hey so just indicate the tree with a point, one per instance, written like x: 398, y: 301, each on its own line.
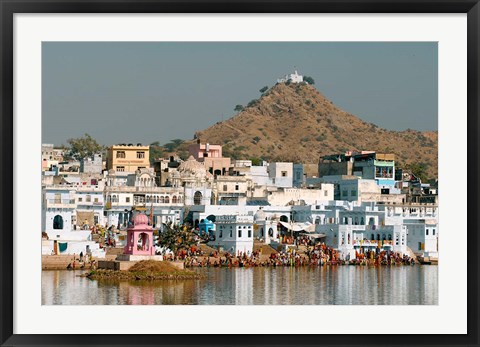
x: 83, y: 147
x: 256, y: 161
x: 238, y: 108
x: 252, y: 103
x: 176, y: 237
x: 173, y: 145
x: 156, y: 151
x: 419, y: 170
x: 309, y: 80
x: 264, y: 89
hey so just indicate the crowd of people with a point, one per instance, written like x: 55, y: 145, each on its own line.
x: 314, y: 255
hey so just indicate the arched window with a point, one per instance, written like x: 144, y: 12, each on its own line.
x: 372, y: 237
x: 162, y: 200
x: 174, y: 199
x: 148, y: 198
x: 167, y: 199
x: 390, y: 237
x: 261, y: 232
x: 356, y: 220
x: 57, y: 222
x: 318, y: 220
x: 179, y: 200
x: 378, y: 237
x: 197, y: 198
x: 362, y: 221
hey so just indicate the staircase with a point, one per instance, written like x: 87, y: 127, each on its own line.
x: 266, y: 249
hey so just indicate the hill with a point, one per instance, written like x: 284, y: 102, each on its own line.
x: 295, y: 122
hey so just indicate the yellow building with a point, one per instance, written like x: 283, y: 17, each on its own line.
x: 128, y: 158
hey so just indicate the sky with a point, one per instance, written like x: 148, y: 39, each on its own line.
x: 141, y: 92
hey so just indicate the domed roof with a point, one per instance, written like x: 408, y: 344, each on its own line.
x: 192, y: 168
x: 140, y: 219
x: 259, y: 216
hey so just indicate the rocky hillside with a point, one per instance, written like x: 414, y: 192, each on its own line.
x: 297, y: 123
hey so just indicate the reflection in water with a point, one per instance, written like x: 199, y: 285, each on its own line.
x: 344, y: 285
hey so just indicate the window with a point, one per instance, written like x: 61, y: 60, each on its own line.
x: 120, y: 154
x: 197, y: 198
x: 88, y: 198
x: 284, y: 173
x: 58, y: 222
x: 120, y: 168
x: 230, y: 232
x: 426, y: 232
x: 353, y: 193
x: 127, y: 199
x: 236, y: 187
x: 433, y: 232
x: 167, y: 199
x: 345, y: 192
x: 239, y: 232
x: 419, y: 246
x: 95, y: 200
x: 220, y: 235
x: 80, y: 199
x: 224, y: 187
x: 140, y: 155
x: 249, y: 233
x: 325, y: 193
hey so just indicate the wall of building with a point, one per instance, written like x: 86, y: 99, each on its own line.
x: 284, y: 196
x: 281, y: 174
x: 128, y: 158
x: 335, y: 168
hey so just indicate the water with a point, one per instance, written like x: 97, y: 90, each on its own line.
x: 342, y: 285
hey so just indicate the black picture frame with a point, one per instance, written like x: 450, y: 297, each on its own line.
x: 10, y: 7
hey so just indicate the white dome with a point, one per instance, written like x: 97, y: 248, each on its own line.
x: 259, y: 216
x: 193, y: 169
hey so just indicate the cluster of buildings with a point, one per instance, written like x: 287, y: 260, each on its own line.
x: 351, y: 201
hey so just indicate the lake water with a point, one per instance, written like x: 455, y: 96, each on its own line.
x: 334, y: 285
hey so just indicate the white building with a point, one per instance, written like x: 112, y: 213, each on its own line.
x: 281, y: 174
x: 89, y: 206
x: 58, y: 211
x: 423, y: 237
x: 164, y: 204
x: 297, y: 196
x: 265, y: 228
x: 92, y: 164
x: 196, y: 182
x: 293, y: 78
x: 234, y: 233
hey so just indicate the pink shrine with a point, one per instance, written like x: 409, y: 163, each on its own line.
x: 140, y: 237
